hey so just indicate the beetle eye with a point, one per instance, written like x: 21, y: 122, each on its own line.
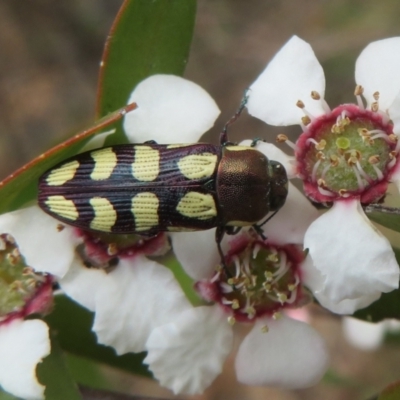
x: 279, y: 185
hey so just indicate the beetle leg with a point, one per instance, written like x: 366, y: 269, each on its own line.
x: 255, y: 141
x: 224, y: 134
x: 257, y: 227
x: 219, y: 235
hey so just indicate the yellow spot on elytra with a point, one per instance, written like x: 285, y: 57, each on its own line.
x: 240, y: 148
x: 146, y: 166
x: 145, y: 211
x: 197, y: 166
x: 63, y: 174
x: 105, y: 161
x: 197, y: 205
x: 59, y: 205
x: 104, y: 214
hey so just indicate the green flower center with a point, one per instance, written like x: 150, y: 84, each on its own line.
x: 18, y: 282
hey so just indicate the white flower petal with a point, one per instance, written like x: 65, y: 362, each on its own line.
x: 187, y: 354
x: 377, y: 70
x: 353, y: 256
x: 395, y: 176
x: 363, y: 335
x: 291, y: 355
x: 45, y: 248
x: 23, y: 344
x: 276, y: 154
x: 314, y: 280
x: 97, y: 141
x: 81, y: 283
x: 347, y: 306
x: 292, y: 220
x: 394, y: 113
x: 137, y: 296
x: 171, y: 110
x: 291, y: 76
x: 197, y: 252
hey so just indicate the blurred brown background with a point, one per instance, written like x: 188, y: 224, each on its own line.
x: 49, y: 57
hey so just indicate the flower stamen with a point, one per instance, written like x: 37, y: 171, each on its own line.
x: 316, y: 96
x: 282, y: 138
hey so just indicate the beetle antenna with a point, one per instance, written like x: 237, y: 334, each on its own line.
x: 224, y: 134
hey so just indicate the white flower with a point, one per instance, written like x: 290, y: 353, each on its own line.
x: 352, y: 262
x: 23, y: 344
x: 188, y: 353
x: 367, y: 336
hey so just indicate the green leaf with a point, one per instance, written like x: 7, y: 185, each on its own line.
x: 87, y: 372
x: 73, y: 324
x: 7, y: 396
x: 147, y: 38
x: 21, y: 187
x: 391, y: 392
x: 53, y: 373
x: 388, y: 306
x: 391, y: 221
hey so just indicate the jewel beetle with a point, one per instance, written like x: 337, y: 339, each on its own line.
x: 149, y: 188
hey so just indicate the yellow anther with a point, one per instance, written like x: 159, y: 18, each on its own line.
x: 250, y: 311
x: 359, y: 90
x: 281, y: 138
x: 315, y: 95
x: 334, y: 160
x: 231, y: 320
x: 282, y: 298
x: 235, y: 304
x: 393, y: 138
x: 300, y: 104
x: 374, y: 159
x: 320, y: 156
x: 267, y: 287
x: 342, y: 192
x: 264, y: 329
x: 376, y: 96
x: 277, y: 315
x: 60, y: 227
x: 375, y: 106
x: 363, y: 132
x: 112, y: 249
x: 321, y: 145
x: 321, y: 183
x: 273, y: 257
x: 306, y: 120
x: 268, y: 276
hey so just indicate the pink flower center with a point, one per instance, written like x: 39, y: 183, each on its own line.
x: 262, y: 279
x: 104, y: 250
x: 347, y: 152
